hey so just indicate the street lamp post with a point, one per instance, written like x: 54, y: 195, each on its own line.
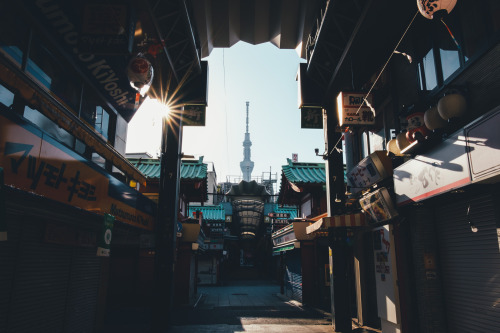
x: 166, y: 223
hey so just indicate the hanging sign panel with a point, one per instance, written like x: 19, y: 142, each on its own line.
x: 311, y: 117
x: 194, y: 115
x: 348, y: 105
x: 104, y: 241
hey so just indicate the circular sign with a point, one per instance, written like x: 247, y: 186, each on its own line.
x: 107, y: 236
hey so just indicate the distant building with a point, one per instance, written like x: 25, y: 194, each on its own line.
x: 247, y: 165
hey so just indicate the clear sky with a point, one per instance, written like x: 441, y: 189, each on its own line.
x: 266, y: 77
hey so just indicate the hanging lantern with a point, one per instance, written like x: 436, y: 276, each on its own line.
x: 392, y: 146
x: 140, y: 73
x: 428, y: 8
x: 433, y: 120
x: 401, y: 141
x: 452, y: 106
x: 416, y: 125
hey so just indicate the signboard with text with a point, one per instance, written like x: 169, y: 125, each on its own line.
x: 194, y: 115
x: 353, y: 110
x: 35, y: 162
x: 280, y: 215
x: 441, y: 170
x: 311, y: 117
x: 104, y: 241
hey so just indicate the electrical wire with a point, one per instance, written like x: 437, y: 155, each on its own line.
x: 225, y: 108
x: 387, y: 62
x: 335, y: 146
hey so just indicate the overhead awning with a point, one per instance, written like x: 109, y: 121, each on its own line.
x: 347, y: 220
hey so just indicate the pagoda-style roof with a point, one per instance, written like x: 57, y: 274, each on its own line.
x: 299, y: 178
x: 194, y: 185
x: 300, y: 173
x: 190, y: 169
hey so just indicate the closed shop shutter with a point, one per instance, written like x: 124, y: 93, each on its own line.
x: 8, y: 259
x: 470, y: 265
x: 293, y: 275
x: 40, y: 283
x: 83, y: 290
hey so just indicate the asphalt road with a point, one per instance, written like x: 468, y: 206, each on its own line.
x: 248, y: 308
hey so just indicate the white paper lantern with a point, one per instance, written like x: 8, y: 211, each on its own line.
x: 401, y: 141
x: 429, y: 7
x: 433, y: 120
x: 392, y: 147
x: 140, y: 73
x: 452, y: 106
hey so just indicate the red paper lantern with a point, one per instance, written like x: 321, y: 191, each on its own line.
x: 140, y: 73
x: 416, y: 125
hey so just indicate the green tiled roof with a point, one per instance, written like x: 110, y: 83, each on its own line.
x: 150, y: 167
x: 214, y: 213
x: 304, y: 173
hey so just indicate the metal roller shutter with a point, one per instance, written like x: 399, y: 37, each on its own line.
x: 470, y: 265
x: 40, y: 283
x: 293, y: 278
x: 83, y: 290
x: 8, y: 259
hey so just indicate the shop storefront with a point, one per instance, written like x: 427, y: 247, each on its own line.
x: 55, y: 271
x: 457, y: 202
x: 298, y: 262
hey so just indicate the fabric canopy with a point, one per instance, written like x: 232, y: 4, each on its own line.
x: 348, y: 220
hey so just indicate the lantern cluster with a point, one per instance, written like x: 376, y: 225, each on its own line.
x: 420, y: 125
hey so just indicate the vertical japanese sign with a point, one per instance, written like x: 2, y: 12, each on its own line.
x: 311, y: 117
x: 3, y: 222
x: 194, y: 115
x: 104, y: 241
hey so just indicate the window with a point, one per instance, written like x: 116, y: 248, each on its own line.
x: 94, y: 113
x: 6, y: 96
x: 429, y: 71
x: 102, y: 121
x: 48, y: 126
x: 473, y: 23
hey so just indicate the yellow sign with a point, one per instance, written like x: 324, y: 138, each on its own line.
x: 35, y: 162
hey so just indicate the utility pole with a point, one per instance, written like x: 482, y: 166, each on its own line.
x: 166, y: 223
